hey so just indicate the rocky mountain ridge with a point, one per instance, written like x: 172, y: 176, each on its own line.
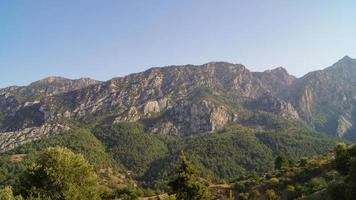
x: 49, y: 86
x: 184, y: 100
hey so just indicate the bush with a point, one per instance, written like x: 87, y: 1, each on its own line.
x: 317, y: 183
x: 290, y: 188
x: 274, y: 181
x: 244, y: 196
x: 7, y: 194
x: 271, y: 195
x: 254, y: 194
x: 303, y: 162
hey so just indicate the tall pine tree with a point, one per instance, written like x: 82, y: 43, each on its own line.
x: 186, y: 185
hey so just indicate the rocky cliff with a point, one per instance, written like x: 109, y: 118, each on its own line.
x: 184, y: 100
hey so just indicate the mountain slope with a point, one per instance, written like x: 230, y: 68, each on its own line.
x: 325, y: 99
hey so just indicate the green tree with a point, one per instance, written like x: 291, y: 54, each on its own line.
x: 59, y: 174
x: 7, y: 194
x: 279, y: 162
x: 336, y: 191
x: 351, y: 180
x: 342, y: 159
x: 186, y: 185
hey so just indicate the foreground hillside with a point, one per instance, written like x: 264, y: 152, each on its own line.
x: 150, y: 159
x: 41, y: 175
x: 328, y: 177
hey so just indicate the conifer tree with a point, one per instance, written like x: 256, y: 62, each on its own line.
x: 186, y: 185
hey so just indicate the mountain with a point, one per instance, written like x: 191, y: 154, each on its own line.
x: 203, y: 92
x: 229, y: 119
x: 190, y: 99
x: 326, y: 99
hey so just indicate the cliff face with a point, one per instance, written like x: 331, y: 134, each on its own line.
x: 188, y: 99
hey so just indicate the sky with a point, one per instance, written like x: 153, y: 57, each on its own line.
x: 102, y: 39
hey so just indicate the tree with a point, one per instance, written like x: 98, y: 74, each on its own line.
x: 342, y: 159
x: 186, y: 185
x: 59, y: 174
x: 279, y: 162
x: 351, y: 180
x: 7, y: 194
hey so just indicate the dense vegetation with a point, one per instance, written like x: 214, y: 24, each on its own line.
x: 237, y: 151
x: 151, y: 159
x: 128, y: 143
x: 80, y: 141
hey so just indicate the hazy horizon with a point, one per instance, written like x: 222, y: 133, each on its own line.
x: 105, y: 39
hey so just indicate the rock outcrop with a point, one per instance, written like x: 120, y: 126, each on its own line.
x: 9, y: 140
x: 202, y: 116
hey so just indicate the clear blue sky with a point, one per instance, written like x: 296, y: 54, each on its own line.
x: 108, y: 38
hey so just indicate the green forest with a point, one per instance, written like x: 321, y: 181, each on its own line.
x: 128, y: 162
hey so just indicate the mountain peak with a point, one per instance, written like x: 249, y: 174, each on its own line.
x: 346, y: 59
x: 280, y: 69
x: 52, y: 79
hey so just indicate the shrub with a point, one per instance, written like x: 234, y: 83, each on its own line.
x: 254, y: 194
x: 7, y: 194
x: 274, y: 181
x: 271, y: 195
x: 303, y: 162
x: 244, y: 196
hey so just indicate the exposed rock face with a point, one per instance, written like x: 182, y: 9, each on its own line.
x: 9, y: 140
x: 269, y: 103
x: 203, y: 116
x: 344, y: 125
x: 165, y: 128
x: 152, y: 107
x: 189, y: 99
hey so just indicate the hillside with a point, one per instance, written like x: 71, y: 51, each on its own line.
x: 330, y: 177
